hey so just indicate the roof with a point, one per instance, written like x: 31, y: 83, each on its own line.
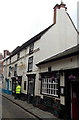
x: 35, y: 38
x: 72, y: 23
x: 27, y: 43
x: 65, y: 54
x: 15, y: 50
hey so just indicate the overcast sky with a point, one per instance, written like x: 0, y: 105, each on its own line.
x: 22, y: 19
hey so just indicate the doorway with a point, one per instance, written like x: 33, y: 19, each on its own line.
x: 31, y: 84
x: 15, y: 82
x: 7, y: 84
x: 13, y: 85
x: 31, y: 88
x: 75, y: 100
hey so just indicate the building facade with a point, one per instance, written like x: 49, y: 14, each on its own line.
x: 1, y: 63
x: 60, y: 82
x: 44, y: 65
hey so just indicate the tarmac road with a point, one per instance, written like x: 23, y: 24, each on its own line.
x: 11, y: 110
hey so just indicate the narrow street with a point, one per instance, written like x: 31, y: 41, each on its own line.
x: 11, y: 110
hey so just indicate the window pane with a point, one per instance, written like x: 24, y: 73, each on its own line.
x: 24, y: 85
x: 30, y: 63
x: 50, y: 86
x: 31, y: 48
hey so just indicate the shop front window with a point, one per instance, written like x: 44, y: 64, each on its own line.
x: 50, y: 86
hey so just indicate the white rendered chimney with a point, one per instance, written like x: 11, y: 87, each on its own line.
x: 57, y: 8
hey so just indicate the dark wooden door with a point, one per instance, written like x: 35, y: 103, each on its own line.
x: 75, y: 101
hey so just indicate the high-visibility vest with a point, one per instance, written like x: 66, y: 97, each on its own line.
x: 18, y: 89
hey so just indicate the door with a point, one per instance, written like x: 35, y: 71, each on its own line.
x: 15, y: 81
x: 31, y: 84
x: 75, y: 101
x: 7, y: 84
x: 13, y: 85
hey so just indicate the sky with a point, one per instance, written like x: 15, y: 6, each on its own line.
x: 20, y: 20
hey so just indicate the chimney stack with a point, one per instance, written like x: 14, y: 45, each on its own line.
x: 57, y: 6
x: 6, y: 53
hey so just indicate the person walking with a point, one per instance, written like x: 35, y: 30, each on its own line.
x: 18, y: 91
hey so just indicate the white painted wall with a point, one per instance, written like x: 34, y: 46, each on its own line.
x: 59, y: 37
x: 24, y: 78
x: 8, y: 61
x: 13, y: 58
x: 21, y: 68
x: 62, y: 100
x: 78, y: 15
x: 67, y: 63
x: 62, y: 83
x: 62, y: 80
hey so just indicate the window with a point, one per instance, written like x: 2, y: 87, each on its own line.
x: 10, y: 86
x: 10, y: 60
x: 50, y: 86
x: 24, y: 85
x: 15, y: 70
x: 31, y: 48
x: 18, y: 56
x: 9, y: 71
x: 30, y: 63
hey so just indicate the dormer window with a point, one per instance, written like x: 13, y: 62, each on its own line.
x: 31, y: 48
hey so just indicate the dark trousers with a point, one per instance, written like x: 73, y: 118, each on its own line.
x: 17, y: 96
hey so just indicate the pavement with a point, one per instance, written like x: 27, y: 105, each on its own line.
x: 31, y: 109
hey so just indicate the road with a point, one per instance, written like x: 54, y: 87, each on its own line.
x: 11, y: 110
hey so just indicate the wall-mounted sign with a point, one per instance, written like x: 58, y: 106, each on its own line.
x: 21, y: 66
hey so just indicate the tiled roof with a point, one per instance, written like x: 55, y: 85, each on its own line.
x: 27, y: 43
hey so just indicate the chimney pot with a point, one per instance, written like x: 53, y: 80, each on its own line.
x: 57, y: 6
x: 62, y: 5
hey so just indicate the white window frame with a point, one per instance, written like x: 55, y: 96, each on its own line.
x: 50, y: 88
